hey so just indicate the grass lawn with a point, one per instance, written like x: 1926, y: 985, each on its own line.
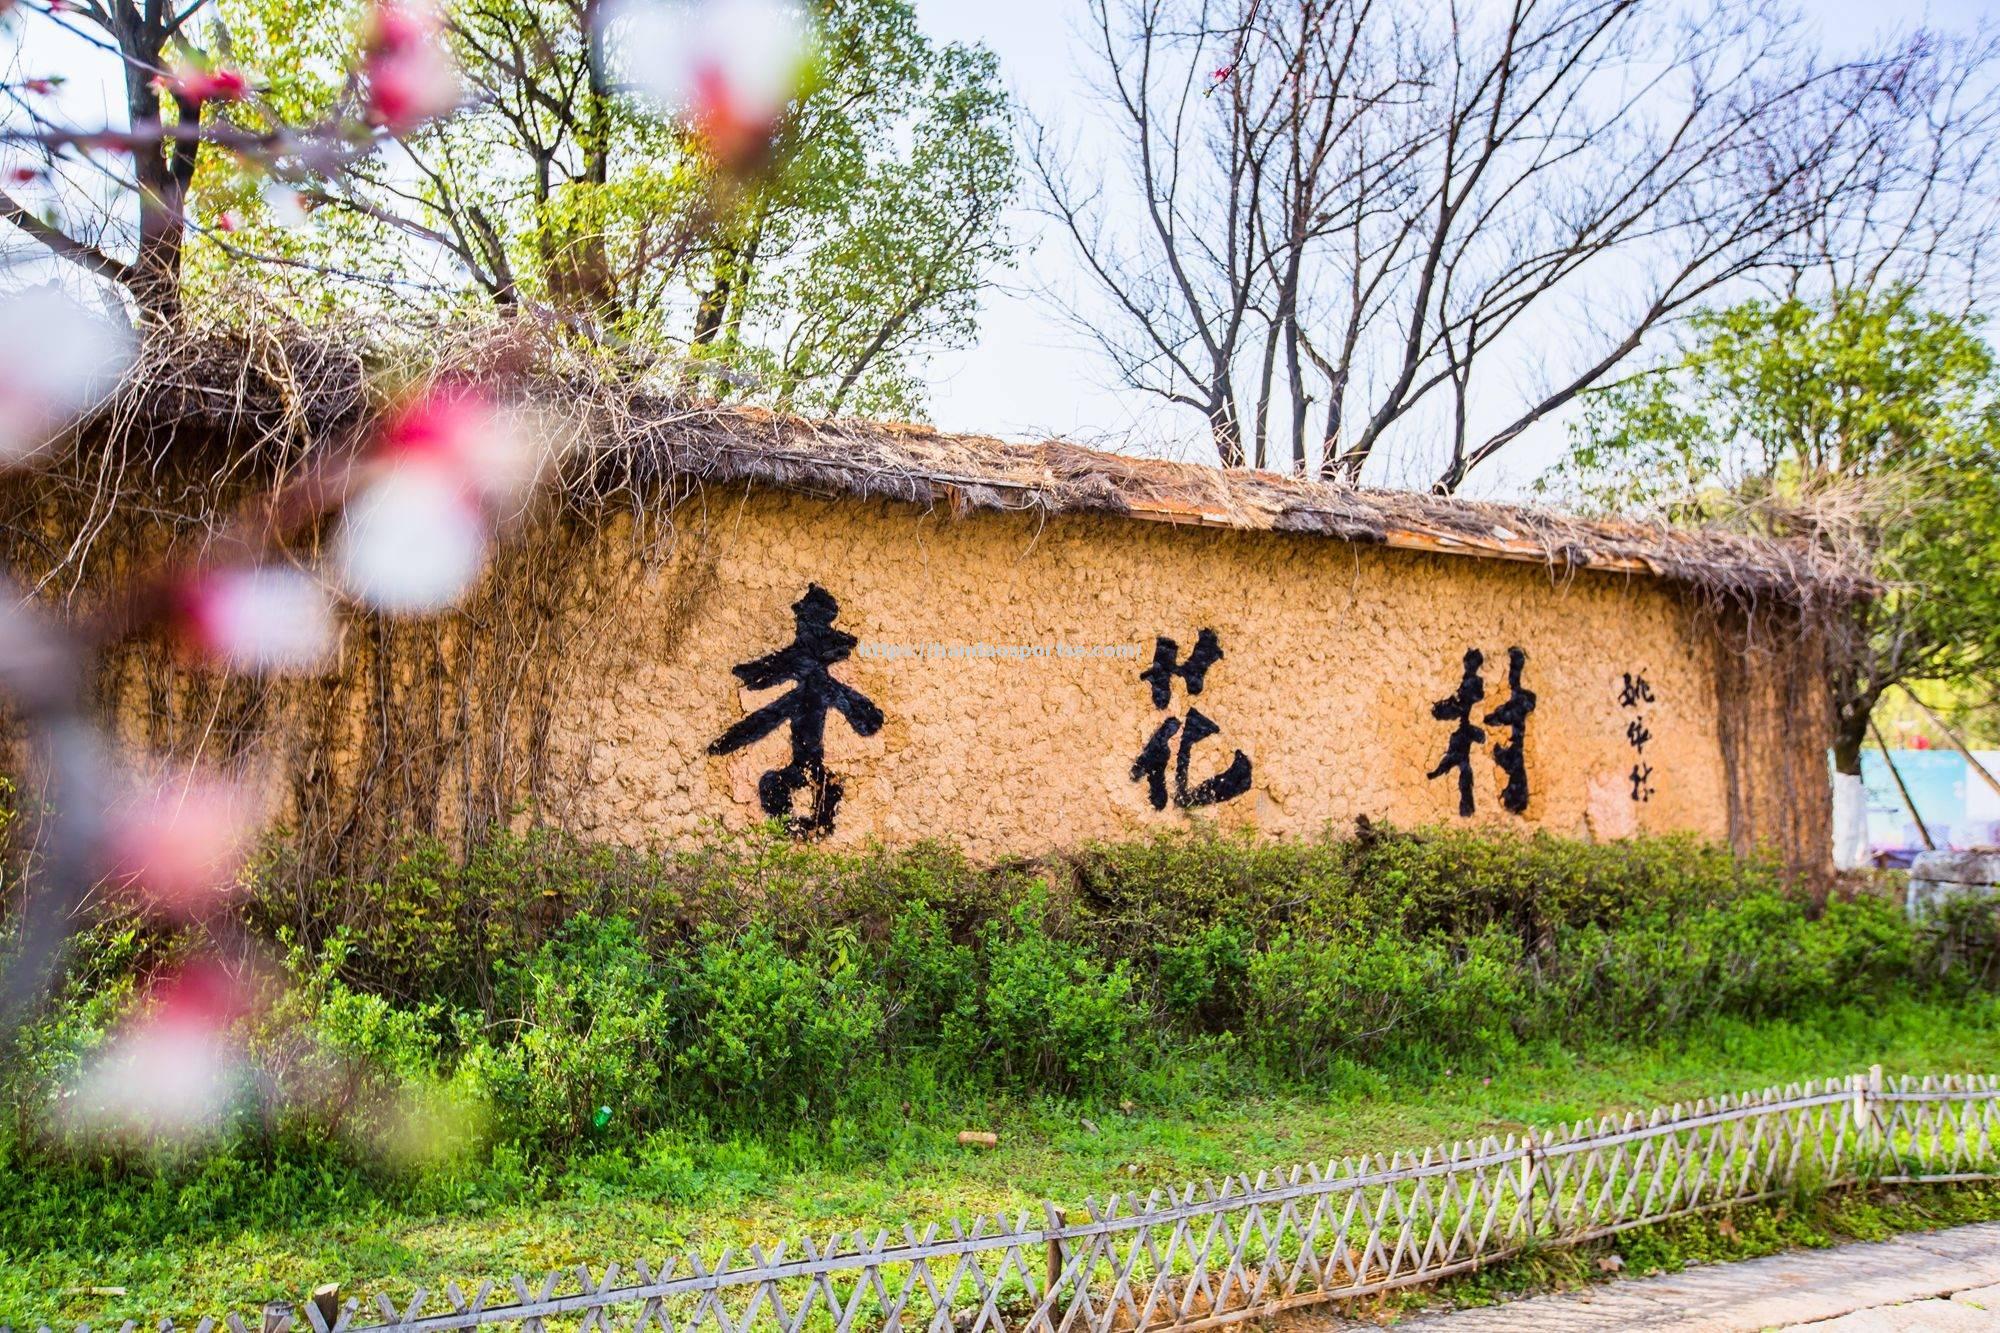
x: 177, y: 1253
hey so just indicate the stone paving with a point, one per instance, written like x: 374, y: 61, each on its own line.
x: 1926, y: 1280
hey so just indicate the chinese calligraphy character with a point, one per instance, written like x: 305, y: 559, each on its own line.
x: 1642, y: 781
x: 1458, y: 708
x: 1635, y: 691
x: 816, y: 645
x: 1631, y: 694
x: 1153, y: 760
x: 1511, y: 753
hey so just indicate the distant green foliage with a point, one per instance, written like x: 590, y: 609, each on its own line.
x: 547, y: 997
x: 822, y: 284
x: 1871, y: 424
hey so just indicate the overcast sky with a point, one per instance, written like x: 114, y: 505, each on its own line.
x: 1030, y: 375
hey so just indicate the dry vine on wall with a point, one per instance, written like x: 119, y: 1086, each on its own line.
x: 444, y: 726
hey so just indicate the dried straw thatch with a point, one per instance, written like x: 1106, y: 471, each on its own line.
x: 296, y: 393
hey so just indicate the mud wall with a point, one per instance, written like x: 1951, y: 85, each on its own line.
x: 867, y: 671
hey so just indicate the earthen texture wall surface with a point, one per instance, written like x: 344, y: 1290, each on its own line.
x: 1333, y: 657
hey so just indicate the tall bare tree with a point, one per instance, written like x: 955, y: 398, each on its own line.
x: 1411, y: 223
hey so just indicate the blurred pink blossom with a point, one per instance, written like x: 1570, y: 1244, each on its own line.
x: 288, y: 207
x: 197, y: 84
x: 413, y: 541
x: 729, y: 68
x: 170, y: 1070
x: 56, y: 358
x: 266, y: 620
x: 227, y: 221
x: 409, y: 75
x: 176, y: 847
x: 461, y: 432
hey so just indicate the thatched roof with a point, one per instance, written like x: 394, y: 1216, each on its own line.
x: 646, y: 441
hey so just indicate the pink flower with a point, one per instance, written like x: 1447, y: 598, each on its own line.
x: 227, y: 222
x: 177, y: 847
x: 268, y: 620
x: 729, y: 68
x: 192, y: 83
x: 412, y: 542
x: 171, y: 1070
x: 410, y: 77
x: 444, y: 466
x: 463, y: 433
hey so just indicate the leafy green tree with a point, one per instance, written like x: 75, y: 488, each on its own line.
x: 1870, y: 423
x: 816, y: 282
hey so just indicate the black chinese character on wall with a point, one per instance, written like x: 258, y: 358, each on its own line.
x: 816, y: 645
x: 1460, y: 707
x: 1635, y: 692
x: 1160, y: 751
x: 1511, y: 754
x: 1458, y: 748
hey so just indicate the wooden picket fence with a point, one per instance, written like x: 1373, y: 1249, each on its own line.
x: 1211, y: 1254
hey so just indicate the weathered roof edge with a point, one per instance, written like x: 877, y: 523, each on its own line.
x: 311, y: 389
x: 920, y: 465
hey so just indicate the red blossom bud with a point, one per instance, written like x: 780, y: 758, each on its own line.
x: 409, y: 76
x: 197, y: 85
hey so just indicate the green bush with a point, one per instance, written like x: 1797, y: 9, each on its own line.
x: 588, y: 1040
x: 1314, y: 1000
x: 548, y: 997
x: 762, y: 1030
x: 1058, y: 1017
x: 1958, y: 943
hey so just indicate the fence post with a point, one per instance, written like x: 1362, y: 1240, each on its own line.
x: 277, y: 1316
x: 1053, y: 1271
x: 1877, y: 1138
x: 326, y: 1299
x: 1530, y: 1169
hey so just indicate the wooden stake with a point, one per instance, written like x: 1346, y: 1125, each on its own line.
x: 326, y: 1299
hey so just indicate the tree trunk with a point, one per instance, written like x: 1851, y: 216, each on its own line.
x: 1847, y: 749
x: 162, y: 172
x: 1850, y: 801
